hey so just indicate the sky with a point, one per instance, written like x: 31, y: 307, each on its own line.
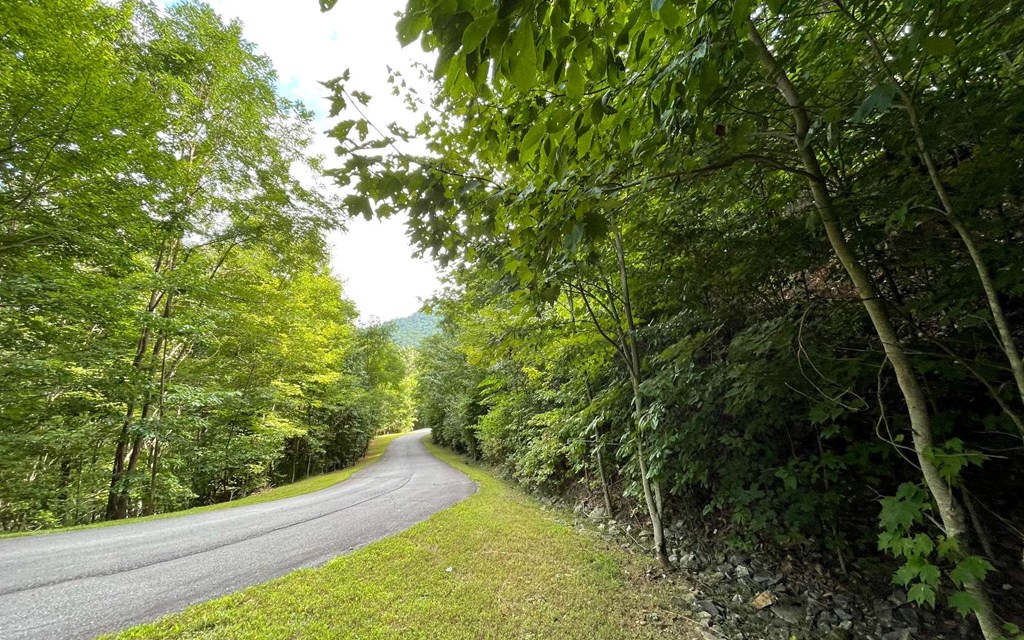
x: 373, y: 259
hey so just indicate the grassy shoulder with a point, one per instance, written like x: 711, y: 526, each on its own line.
x: 308, y: 485
x: 496, y: 565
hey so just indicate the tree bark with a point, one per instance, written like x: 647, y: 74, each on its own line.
x: 652, y: 491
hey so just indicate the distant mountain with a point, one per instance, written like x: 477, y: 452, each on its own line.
x: 410, y: 331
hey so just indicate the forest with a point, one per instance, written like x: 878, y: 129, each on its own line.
x: 170, y: 333
x: 758, y: 265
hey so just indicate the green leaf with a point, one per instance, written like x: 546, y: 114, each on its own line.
x: 905, y: 574
x: 410, y: 26
x: 532, y: 138
x: 584, y: 142
x: 971, y: 568
x: 880, y: 99
x: 669, y: 15
x: 922, y: 594
x: 964, y: 602
x: 948, y: 548
x: 574, y: 82
x: 358, y: 204
x: 477, y: 31
x: 938, y: 45
x: 524, y: 57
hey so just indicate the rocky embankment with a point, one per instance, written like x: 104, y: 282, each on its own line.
x: 740, y: 596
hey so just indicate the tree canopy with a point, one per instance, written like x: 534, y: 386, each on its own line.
x: 170, y: 333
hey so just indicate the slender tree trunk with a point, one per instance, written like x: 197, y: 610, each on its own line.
x: 116, y: 496
x: 950, y: 511
x: 154, y: 465
x: 604, y: 481
x: 63, y: 494
x: 117, y: 503
x: 598, y: 453
x: 652, y: 490
x: 1006, y: 341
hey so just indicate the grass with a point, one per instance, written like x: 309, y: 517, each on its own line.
x: 496, y: 565
x: 308, y: 485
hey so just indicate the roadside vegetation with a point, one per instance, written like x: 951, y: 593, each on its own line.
x: 315, y: 483
x: 170, y: 332
x: 755, y: 265
x: 496, y: 565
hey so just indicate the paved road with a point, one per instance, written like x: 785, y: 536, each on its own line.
x: 83, y: 583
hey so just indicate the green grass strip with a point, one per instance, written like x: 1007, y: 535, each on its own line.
x: 496, y: 565
x: 308, y: 485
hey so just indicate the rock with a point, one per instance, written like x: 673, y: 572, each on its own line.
x: 762, y: 600
x: 792, y: 614
x: 898, y: 634
x: 708, y: 606
x: 843, y: 615
x: 742, y: 572
x: 884, y: 613
x: 763, y: 578
x: 909, y: 615
x: 597, y: 514
x: 737, y: 559
x: 674, y: 559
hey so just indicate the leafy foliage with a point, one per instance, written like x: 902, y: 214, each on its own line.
x: 170, y: 334
x: 757, y: 261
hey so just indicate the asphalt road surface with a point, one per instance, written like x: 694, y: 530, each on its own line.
x: 83, y: 583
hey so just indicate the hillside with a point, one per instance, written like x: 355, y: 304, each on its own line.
x: 410, y: 331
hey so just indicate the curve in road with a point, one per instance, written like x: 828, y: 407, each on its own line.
x: 82, y: 583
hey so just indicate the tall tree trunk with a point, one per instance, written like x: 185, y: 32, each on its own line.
x: 652, y: 491
x: 118, y: 497
x: 154, y: 464
x: 64, y: 483
x: 950, y: 511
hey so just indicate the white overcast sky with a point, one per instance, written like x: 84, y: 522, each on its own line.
x: 373, y: 259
